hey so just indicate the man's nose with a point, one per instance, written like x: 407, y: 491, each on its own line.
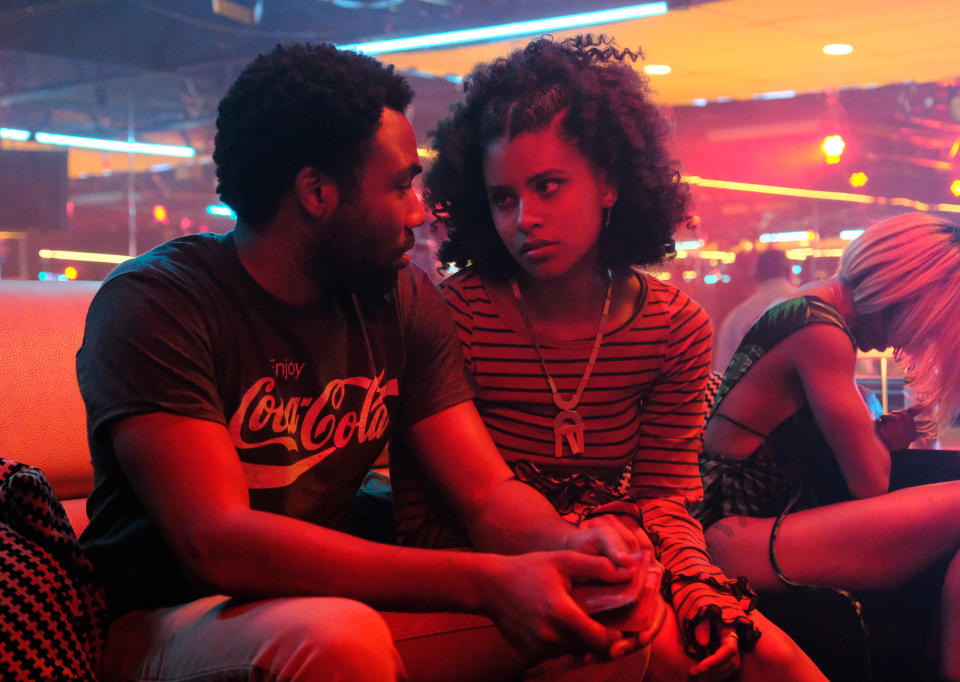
x: 417, y: 213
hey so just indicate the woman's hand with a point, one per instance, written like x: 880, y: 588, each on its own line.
x: 896, y: 429
x: 723, y: 662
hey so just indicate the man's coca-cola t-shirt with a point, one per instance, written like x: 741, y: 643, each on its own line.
x: 309, y: 394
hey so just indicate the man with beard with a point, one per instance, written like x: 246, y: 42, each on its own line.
x: 238, y: 388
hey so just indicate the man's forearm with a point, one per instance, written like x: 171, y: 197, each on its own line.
x: 257, y: 555
x: 517, y: 518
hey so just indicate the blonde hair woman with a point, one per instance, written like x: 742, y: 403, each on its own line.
x: 796, y: 473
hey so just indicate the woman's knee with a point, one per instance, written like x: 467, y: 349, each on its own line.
x: 776, y: 654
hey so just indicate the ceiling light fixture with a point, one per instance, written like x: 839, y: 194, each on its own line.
x: 115, y: 145
x: 837, y: 49
x: 657, y: 69
x: 14, y: 134
x: 510, y: 30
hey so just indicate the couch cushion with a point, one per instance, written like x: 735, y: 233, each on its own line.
x: 42, y: 418
x: 52, y: 611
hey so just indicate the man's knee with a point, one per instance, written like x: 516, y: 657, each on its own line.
x: 339, y: 640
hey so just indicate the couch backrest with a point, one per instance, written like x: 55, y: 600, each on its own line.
x: 42, y: 418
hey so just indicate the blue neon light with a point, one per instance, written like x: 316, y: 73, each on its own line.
x: 797, y: 236
x: 850, y: 234
x: 221, y: 210
x: 14, y: 134
x: 115, y: 145
x: 518, y: 28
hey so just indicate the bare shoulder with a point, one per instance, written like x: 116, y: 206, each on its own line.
x: 820, y: 345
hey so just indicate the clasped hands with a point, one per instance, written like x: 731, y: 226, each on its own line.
x: 530, y: 597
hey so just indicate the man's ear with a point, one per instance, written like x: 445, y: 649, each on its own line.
x: 316, y: 192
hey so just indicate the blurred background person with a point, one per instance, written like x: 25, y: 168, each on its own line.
x: 773, y: 282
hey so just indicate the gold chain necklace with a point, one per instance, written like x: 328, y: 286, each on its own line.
x: 568, y: 424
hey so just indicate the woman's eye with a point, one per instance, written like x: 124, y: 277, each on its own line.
x: 547, y: 186
x: 501, y: 200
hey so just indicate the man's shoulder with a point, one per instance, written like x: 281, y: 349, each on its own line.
x: 185, y: 259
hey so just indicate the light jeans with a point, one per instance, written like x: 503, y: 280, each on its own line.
x: 325, y: 638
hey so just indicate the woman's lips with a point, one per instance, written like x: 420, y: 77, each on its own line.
x: 534, y: 247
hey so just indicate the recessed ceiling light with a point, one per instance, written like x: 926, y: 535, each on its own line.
x: 837, y: 49
x: 657, y: 69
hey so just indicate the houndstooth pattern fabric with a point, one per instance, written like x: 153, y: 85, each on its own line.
x: 52, y: 612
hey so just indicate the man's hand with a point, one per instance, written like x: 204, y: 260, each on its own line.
x: 627, y: 528
x: 897, y: 430
x: 650, y: 608
x: 529, y: 600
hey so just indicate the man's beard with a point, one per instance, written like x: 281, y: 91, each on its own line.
x: 343, y: 261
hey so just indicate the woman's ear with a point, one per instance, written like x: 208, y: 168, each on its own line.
x: 316, y: 192
x: 608, y: 192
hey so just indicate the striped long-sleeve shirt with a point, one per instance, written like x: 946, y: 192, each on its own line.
x: 643, y: 406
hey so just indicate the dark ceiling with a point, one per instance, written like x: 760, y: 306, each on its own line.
x: 82, y: 66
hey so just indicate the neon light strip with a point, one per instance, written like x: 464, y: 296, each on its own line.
x: 83, y: 256
x: 796, y: 236
x: 115, y: 145
x: 509, y: 30
x: 850, y: 234
x: 15, y: 134
x: 696, y: 244
x: 821, y: 194
x: 221, y: 210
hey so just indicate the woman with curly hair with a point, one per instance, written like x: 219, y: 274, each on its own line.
x: 552, y: 182
x: 796, y: 473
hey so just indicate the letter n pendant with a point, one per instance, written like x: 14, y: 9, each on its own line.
x: 568, y: 426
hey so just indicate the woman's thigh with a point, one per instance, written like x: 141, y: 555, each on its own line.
x: 873, y: 543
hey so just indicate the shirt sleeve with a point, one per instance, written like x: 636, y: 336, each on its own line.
x: 434, y: 376
x: 422, y: 516
x: 145, y: 349
x: 665, y: 480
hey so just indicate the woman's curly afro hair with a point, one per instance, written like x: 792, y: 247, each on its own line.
x: 297, y: 106
x: 607, y: 116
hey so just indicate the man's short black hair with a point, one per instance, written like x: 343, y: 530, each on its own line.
x: 607, y: 114
x: 298, y: 106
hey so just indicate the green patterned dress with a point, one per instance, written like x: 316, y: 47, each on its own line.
x: 794, y: 467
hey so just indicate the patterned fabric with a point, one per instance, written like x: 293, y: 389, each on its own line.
x: 794, y: 459
x: 52, y: 613
x: 643, y: 414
